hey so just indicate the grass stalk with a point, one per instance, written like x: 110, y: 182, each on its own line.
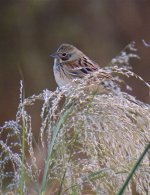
x: 22, y: 177
x: 122, y: 189
x: 51, y: 143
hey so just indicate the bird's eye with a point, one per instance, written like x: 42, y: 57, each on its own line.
x: 64, y: 54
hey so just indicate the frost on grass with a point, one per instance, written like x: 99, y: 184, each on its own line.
x: 89, y: 138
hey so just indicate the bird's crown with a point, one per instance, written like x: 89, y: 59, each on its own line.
x: 66, y: 48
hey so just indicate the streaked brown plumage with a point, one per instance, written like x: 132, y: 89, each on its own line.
x: 71, y: 63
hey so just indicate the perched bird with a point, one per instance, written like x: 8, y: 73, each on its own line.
x: 71, y: 63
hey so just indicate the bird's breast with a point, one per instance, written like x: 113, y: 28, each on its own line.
x: 59, y: 74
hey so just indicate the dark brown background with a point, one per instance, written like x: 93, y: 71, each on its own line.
x: 32, y: 29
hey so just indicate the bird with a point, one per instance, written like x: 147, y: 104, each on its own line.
x: 70, y: 63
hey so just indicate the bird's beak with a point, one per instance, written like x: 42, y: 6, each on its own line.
x: 54, y: 55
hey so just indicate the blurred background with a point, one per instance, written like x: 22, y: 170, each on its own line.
x: 30, y: 30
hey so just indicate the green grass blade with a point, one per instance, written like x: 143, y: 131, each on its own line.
x: 121, y: 191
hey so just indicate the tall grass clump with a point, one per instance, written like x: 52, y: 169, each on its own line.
x: 88, y: 142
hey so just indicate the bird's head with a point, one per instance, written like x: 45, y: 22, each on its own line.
x: 66, y: 52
